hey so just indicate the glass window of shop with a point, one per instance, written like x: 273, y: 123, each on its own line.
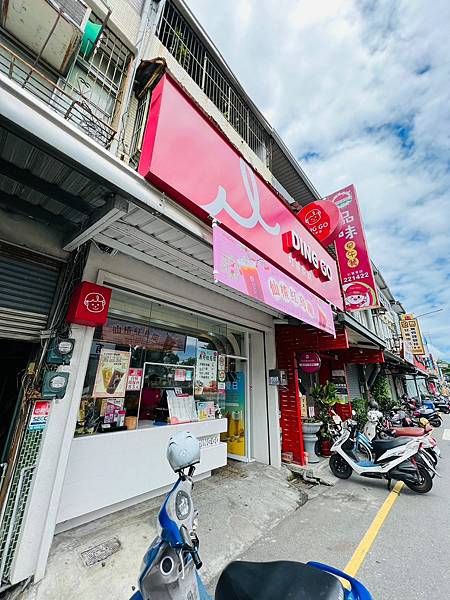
x: 153, y: 364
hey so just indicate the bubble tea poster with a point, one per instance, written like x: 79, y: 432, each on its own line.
x: 112, y: 371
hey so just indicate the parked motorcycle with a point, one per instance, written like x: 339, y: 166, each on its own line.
x: 431, y: 414
x: 170, y: 566
x: 393, y: 459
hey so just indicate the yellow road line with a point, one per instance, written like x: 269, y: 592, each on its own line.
x: 366, y: 543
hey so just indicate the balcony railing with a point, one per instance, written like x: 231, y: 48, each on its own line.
x: 74, y: 107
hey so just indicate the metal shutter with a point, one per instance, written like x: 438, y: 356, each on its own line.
x: 352, y: 372
x: 27, y: 289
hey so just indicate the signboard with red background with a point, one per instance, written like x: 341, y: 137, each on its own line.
x: 89, y: 304
x: 358, y: 283
x: 309, y: 362
x: 185, y: 155
x: 323, y: 219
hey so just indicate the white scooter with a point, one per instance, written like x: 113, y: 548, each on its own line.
x: 393, y: 460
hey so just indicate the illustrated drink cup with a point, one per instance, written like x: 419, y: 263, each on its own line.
x: 114, y: 381
x: 252, y: 282
x: 106, y: 376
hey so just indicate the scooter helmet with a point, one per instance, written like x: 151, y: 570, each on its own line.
x: 183, y: 450
x: 373, y: 404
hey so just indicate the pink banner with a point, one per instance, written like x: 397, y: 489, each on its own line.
x: 185, y: 155
x: 358, y: 283
x: 242, y: 269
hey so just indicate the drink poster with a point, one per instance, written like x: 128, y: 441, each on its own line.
x: 112, y: 374
x: 206, y: 374
x: 234, y: 412
x: 242, y: 269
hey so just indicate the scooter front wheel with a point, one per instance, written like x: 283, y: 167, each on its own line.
x: 339, y: 467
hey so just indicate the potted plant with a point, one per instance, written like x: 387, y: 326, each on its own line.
x: 325, y: 398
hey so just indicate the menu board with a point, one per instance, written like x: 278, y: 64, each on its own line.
x: 206, y: 374
x: 112, y: 374
x: 181, y: 407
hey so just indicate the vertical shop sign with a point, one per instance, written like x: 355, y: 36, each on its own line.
x: 206, y: 374
x: 112, y: 374
x: 339, y: 380
x: 358, y: 283
x: 412, y: 337
x: 235, y: 413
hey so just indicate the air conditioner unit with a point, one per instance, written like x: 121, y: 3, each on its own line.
x: 51, y: 29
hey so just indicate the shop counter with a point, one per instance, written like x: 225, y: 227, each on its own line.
x: 109, y: 471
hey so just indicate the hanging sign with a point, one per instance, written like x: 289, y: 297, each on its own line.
x: 89, y: 304
x: 358, y: 282
x: 112, y: 374
x: 240, y: 268
x: 207, y: 175
x: 309, y: 362
x: 412, y: 337
x: 323, y: 219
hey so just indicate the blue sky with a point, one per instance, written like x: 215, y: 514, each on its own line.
x: 360, y: 92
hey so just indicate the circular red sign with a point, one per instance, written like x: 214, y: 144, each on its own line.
x: 323, y: 219
x: 309, y: 362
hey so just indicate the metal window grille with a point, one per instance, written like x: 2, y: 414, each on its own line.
x: 139, y: 128
x: 100, y: 76
x: 75, y: 108
x: 184, y: 45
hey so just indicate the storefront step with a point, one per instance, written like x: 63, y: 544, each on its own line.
x: 237, y: 505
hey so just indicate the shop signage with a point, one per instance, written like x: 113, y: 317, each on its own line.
x: 358, y: 283
x: 40, y: 416
x: 134, y: 382
x: 112, y: 374
x: 134, y: 334
x: 242, y: 269
x: 323, y: 219
x: 206, y: 374
x: 186, y: 156
x: 89, y: 304
x: 412, y: 337
x: 309, y: 362
x: 339, y: 381
x: 206, y: 441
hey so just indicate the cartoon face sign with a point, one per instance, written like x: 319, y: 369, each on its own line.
x: 357, y: 300
x: 313, y: 216
x: 94, y: 302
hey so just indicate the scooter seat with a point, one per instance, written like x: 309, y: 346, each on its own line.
x: 410, y: 431
x: 380, y: 446
x: 281, y: 579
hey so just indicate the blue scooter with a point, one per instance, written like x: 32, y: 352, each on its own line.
x: 169, y: 570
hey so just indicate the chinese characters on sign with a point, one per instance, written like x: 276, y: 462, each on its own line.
x: 206, y: 374
x: 358, y: 284
x: 112, y: 374
x: 239, y: 267
x: 411, y: 334
x: 127, y: 333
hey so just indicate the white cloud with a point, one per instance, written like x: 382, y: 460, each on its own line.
x: 365, y: 86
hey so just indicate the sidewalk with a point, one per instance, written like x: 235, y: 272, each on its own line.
x: 238, y: 505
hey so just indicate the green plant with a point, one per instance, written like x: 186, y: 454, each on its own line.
x: 360, y: 406
x: 382, y: 394
x: 325, y: 398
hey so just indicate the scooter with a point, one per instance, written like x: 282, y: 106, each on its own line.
x: 394, y: 459
x: 169, y: 570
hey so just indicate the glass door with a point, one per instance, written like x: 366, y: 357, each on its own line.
x: 234, y: 406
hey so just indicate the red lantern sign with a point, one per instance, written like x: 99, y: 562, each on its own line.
x: 309, y: 362
x: 323, y: 219
x: 89, y: 304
